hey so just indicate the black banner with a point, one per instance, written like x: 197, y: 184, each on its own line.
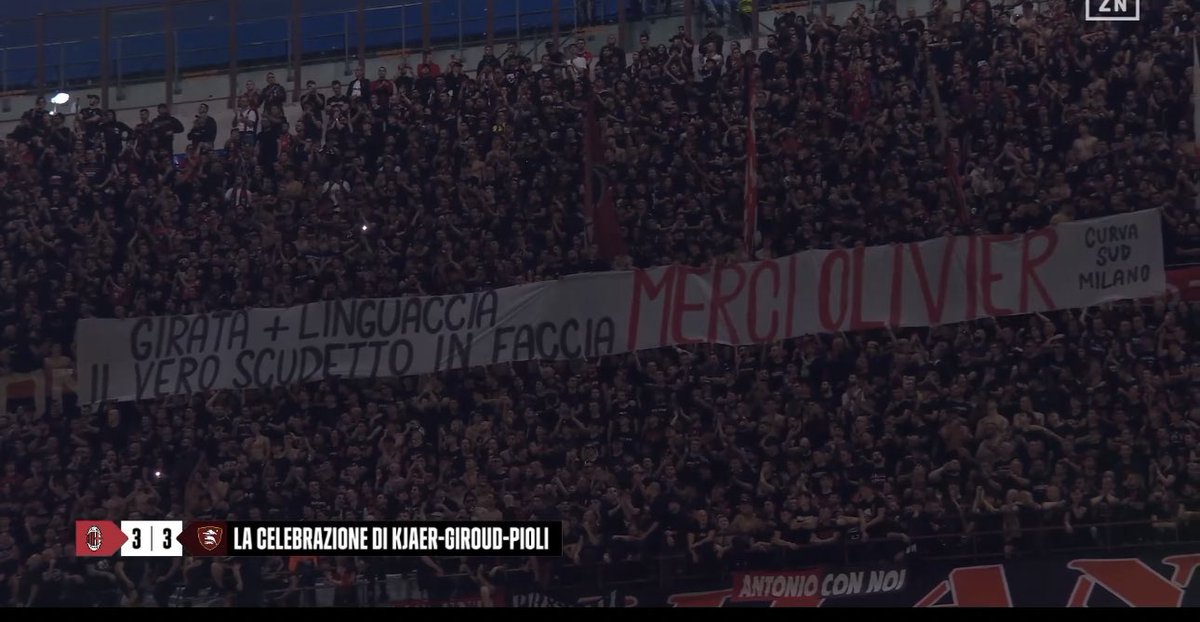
x: 373, y: 538
x: 1159, y: 577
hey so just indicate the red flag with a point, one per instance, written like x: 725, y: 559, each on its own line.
x: 599, y: 205
x: 591, y: 140
x: 1196, y: 101
x: 607, y: 227
x: 956, y: 187
x: 948, y: 156
x: 750, y: 192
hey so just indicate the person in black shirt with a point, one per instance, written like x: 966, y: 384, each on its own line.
x: 359, y: 87
x: 793, y: 534
x: 143, y: 132
x: 18, y: 346
x: 273, y: 93
x: 129, y: 576
x: 591, y: 539
x: 37, y: 116
x: 1077, y: 518
x: 431, y: 577
x: 615, y: 52
x: 404, y: 80
x: 249, y: 574
x: 337, y: 103
x: 115, y: 134
x: 204, y: 128
x: 168, y: 574
x: 700, y: 537
x: 165, y: 127
x: 512, y: 57
x: 273, y: 122
x: 769, y: 57
x: 70, y: 574
x: 312, y: 98
x: 91, y: 118
x: 61, y: 136
x: 488, y: 61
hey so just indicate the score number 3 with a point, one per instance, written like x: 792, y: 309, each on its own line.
x: 151, y: 538
x: 167, y: 534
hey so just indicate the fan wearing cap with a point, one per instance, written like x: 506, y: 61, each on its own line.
x: 91, y: 117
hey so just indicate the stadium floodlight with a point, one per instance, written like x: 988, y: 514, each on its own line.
x: 60, y: 99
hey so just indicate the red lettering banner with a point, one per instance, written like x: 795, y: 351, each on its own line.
x: 950, y: 279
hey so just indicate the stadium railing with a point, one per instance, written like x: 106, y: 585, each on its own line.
x: 106, y: 49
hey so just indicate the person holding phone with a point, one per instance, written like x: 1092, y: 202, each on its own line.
x: 204, y: 128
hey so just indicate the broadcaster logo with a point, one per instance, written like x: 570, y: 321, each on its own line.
x: 1112, y: 10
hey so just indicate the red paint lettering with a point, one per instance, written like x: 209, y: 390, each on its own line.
x: 1029, y: 266
x: 856, y: 307
x: 934, y: 307
x: 680, y: 305
x: 644, y: 285
x: 825, y: 288
x: 721, y: 299
x: 752, y: 305
x: 973, y: 586
x: 988, y: 278
x: 1130, y: 580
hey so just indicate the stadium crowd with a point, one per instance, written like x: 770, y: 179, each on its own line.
x: 871, y: 446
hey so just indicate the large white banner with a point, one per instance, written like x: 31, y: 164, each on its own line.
x: 951, y: 279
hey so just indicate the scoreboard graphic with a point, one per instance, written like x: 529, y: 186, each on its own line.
x: 175, y: 538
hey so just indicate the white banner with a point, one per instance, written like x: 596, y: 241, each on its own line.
x: 941, y: 281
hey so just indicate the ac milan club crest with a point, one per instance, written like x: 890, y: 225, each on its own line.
x: 209, y: 536
x: 93, y: 538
